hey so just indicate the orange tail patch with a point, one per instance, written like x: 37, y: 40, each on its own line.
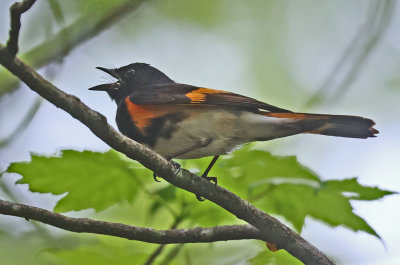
x: 333, y: 125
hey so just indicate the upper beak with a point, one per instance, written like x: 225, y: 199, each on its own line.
x: 109, y: 71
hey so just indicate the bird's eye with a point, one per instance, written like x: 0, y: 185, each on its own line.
x: 130, y: 72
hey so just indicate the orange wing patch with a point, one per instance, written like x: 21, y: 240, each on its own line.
x: 142, y: 115
x: 199, y: 95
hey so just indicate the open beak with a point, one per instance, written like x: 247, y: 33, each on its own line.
x: 106, y: 87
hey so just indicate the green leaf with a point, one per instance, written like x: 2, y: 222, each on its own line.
x: 202, y: 13
x: 328, y: 203
x: 155, y: 206
x: 167, y: 193
x: 355, y: 191
x: 254, y: 168
x: 97, y: 252
x: 56, y: 9
x: 259, y: 164
x: 280, y: 257
x: 89, y: 179
x: 283, y: 186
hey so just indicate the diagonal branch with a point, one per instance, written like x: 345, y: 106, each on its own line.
x: 85, y: 225
x: 171, y: 254
x: 272, y: 229
x: 160, y: 249
x: 355, y: 56
x: 31, y: 113
x: 364, y: 54
x: 16, y: 10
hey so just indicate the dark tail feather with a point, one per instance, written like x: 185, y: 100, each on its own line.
x: 333, y: 125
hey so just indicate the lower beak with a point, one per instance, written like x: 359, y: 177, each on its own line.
x: 103, y: 87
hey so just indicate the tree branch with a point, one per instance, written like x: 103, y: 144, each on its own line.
x: 16, y: 10
x: 68, y: 38
x: 272, y: 230
x: 171, y: 254
x: 85, y: 225
x: 31, y: 113
x: 354, y: 57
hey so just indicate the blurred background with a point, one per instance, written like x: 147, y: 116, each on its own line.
x: 338, y: 57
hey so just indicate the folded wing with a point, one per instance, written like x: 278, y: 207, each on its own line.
x: 174, y: 93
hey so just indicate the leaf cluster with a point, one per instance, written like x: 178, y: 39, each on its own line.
x: 121, y: 190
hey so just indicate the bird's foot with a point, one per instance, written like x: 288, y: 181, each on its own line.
x: 177, y: 170
x: 210, y: 179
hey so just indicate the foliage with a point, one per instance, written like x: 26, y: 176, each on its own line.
x: 281, y: 257
x: 89, y: 179
x: 276, y: 184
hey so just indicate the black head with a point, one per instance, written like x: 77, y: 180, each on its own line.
x: 130, y: 78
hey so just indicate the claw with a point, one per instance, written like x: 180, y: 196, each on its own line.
x: 155, y: 177
x: 211, y: 179
x: 199, y: 198
x: 177, y: 167
x: 177, y: 170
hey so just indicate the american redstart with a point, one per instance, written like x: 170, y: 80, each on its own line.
x: 185, y: 121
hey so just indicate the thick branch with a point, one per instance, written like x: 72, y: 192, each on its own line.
x: 16, y: 10
x: 273, y: 230
x: 85, y: 225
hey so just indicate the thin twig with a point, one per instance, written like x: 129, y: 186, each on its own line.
x: 68, y: 38
x: 378, y: 31
x: 161, y: 247
x: 171, y: 236
x: 16, y: 10
x: 171, y: 254
x: 372, y: 14
x: 357, y: 53
x: 42, y: 232
x: 24, y: 123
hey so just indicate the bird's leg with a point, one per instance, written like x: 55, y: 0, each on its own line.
x: 204, y: 142
x: 205, y: 175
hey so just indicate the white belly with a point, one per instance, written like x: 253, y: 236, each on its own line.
x: 226, y: 129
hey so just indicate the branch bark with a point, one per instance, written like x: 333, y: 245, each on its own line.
x: 170, y: 236
x: 16, y: 10
x: 272, y: 229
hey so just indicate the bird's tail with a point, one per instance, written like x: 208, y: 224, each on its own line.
x: 333, y: 125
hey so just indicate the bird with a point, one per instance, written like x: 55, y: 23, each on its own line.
x: 186, y: 122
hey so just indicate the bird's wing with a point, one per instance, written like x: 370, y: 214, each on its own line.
x: 174, y: 93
